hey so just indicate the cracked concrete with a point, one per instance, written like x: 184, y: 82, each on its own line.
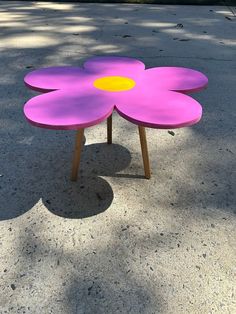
x: 114, y: 242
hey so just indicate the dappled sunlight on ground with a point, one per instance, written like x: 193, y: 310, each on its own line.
x: 114, y: 242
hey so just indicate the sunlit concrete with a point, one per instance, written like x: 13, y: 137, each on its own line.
x: 114, y: 242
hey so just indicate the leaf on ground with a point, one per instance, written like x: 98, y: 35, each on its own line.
x: 171, y: 133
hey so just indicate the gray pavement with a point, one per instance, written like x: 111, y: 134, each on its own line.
x: 114, y: 242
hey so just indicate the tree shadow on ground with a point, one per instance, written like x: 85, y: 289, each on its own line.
x: 35, y: 164
x: 69, y: 41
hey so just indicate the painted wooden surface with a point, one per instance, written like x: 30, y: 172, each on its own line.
x: 75, y: 98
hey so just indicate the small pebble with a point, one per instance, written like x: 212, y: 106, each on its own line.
x: 179, y: 25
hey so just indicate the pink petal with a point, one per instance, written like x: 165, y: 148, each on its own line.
x: 67, y: 110
x: 176, y: 79
x: 53, y: 78
x: 157, y: 109
x: 117, y: 66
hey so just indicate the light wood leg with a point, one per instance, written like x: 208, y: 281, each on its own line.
x: 109, y: 130
x: 77, y: 154
x: 143, y: 142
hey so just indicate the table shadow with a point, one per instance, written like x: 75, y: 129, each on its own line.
x: 91, y: 194
x: 42, y: 174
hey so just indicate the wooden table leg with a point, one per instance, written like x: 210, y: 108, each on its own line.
x: 143, y: 142
x: 77, y: 154
x: 109, y: 130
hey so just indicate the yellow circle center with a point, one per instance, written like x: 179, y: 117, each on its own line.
x: 114, y: 83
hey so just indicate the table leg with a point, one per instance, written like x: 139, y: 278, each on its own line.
x: 143, y: 142
x: 109, y: 130
x: 77, y: 154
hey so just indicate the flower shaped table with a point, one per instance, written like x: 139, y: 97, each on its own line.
x: 76, y: 98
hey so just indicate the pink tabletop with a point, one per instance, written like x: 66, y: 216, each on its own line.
x: 75, y: 98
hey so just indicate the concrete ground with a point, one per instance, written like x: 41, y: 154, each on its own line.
x: 114, y: 242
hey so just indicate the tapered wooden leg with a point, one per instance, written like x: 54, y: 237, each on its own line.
x: 109, y: 130
x: 143, y: 142
x: 77, y: 154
